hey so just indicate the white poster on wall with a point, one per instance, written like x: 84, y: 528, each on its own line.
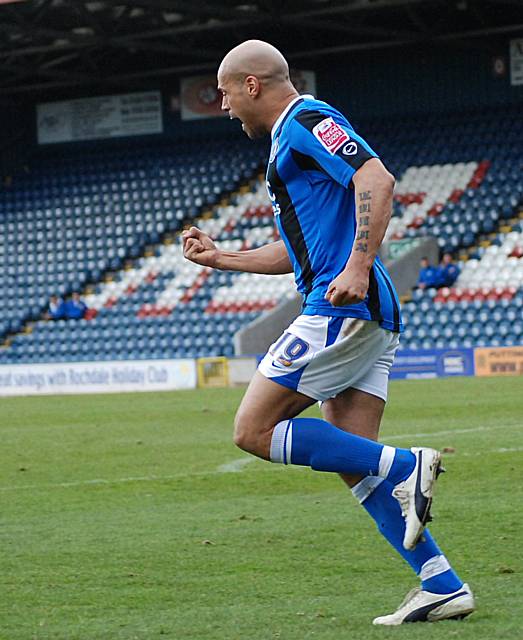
x: 516, y: 61
x: 131, y: 114
x: 97, y: 377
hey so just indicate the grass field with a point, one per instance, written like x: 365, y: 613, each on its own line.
x: 134, y: 517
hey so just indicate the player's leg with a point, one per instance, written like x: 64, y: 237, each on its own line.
x: 265, y: 425
x: 264, y: 405
x: 303, y: 364
x: 360, y: 412
x: 357, y: 412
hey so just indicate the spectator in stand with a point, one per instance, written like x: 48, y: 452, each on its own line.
x: 448, y: 272
x: 56, y: 309
x: 428, y: 275
x: 75, y: 307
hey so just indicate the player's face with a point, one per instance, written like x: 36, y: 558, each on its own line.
x: 238, y: 104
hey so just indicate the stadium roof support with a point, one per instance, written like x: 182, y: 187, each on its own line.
x: 98, y: 44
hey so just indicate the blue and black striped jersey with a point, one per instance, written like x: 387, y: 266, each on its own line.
x: 314, y: 154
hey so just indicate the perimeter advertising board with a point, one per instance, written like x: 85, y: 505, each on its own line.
x: 97, y: 377
x: 499, y: 361
x: 433, y: 363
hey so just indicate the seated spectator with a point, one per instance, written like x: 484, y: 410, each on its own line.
x: 75, y: 307
x: 56, y: 309
x: 448, y: 272
x: 428, y: 275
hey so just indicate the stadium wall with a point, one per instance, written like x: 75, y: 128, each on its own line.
x: 17, y: 137
x: 364, y: 84
x: 407, y: 81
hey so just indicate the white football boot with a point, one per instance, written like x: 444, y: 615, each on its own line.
x: 415, y: 493
x: 424, y: 606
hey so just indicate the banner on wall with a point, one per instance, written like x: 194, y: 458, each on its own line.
x: 131, y: 114
x: 433, y: 363
x: 499, y: 361
x: 516, y: 61
x: 200, y: 98
x: 97, y: 377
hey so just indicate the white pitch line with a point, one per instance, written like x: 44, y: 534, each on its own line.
x: 231, y: 467
x: 240, y: 463
x: 447, y: 432
x: 499, y: 450
x: 236, y: 465
x: 101, y: 481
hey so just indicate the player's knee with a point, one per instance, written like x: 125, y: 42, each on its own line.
x: 243, y: 441
x: 247, y: 442
x: 243, y: 437
x: 248, y: 436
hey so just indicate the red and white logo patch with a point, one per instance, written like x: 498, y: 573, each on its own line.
x: 330, y: 134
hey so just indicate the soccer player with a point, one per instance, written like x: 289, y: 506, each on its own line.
x: 331, y: 198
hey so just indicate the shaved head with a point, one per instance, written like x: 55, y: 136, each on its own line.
x: 254, y: 81
x: 256, y: 58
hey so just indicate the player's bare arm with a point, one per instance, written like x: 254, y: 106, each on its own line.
x: 271, y: 259
x: 373, y: 189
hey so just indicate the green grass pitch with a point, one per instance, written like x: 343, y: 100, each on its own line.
x: 134, y: 517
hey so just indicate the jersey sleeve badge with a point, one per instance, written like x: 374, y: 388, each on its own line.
x: 330, y: 134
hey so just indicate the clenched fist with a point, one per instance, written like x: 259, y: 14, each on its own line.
x: 199, y: 248
x: 350, y: 287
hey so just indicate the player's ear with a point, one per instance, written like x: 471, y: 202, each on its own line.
x: 253, y: 86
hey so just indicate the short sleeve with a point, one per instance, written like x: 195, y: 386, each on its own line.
x: 328, y: 143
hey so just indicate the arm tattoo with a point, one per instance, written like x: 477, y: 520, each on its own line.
x: 365, y: 198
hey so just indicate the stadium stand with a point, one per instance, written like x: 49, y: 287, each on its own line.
x: 475, y: 210
x: 105, y: 223
x: 72, y: 220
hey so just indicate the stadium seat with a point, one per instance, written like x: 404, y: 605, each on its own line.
x: 106, y: 222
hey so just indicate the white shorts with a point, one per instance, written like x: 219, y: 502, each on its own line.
x: 321, y: 356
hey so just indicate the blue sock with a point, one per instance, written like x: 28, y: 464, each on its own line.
x: 315, y: 443
x: 426, y: 558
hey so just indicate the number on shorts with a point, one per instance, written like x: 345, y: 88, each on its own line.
x: 296, y: 349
